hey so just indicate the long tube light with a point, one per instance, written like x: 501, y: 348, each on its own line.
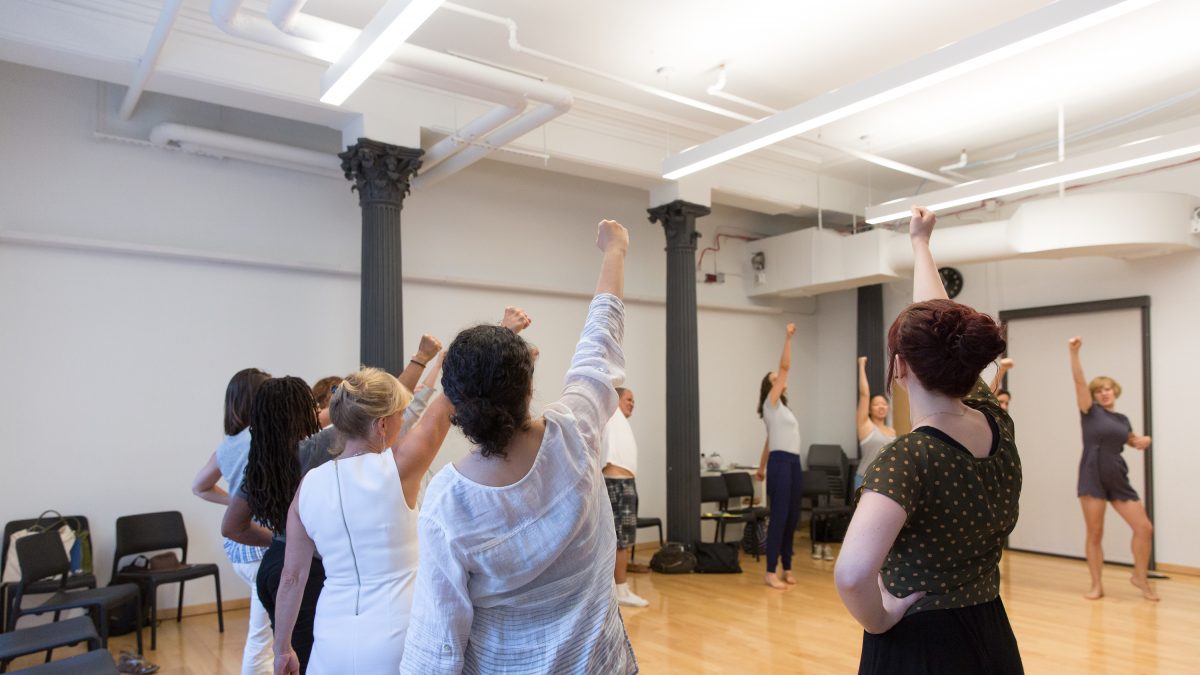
x: 1128, y: 156
x: 1037, y: 28
x: 391, y: 26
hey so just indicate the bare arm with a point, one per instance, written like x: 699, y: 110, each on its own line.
x: 1083, y: 395
x: 762, y: 462
x: 428, y: 349
x: 785, y: 365
x: 204, y: 485
x: 1006, y: 365
x: 238, y: 524
x: 876, y: 524
x: 613, y: 239
x: 927, y: 284
x: 296, y: 562
x: 863, y: 418
x: 417, y: 449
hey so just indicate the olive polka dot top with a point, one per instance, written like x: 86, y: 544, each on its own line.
x: 960, y: 510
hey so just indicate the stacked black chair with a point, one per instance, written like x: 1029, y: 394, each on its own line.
x: 41, y: 557
x: 828, y: 522
x: 738, y: 485
x: 84, y: 579
x: 149, y: 532
x: 47, y: 637
x: 713, y: 490
x: 831, y: 461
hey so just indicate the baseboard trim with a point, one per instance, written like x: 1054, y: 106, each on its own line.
x: 165, y: 613
x: 1178, y: 569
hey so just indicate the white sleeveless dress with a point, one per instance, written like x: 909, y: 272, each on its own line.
x: 355, y: 512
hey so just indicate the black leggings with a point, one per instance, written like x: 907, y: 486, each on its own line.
x: 269, y: 572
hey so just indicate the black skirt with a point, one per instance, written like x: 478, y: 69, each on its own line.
x: 963, y: 641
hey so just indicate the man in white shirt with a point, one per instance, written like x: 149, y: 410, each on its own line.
x: 620, y: 465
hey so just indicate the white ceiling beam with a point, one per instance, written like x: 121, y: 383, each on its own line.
x: 390, y: 27
x: 1144, y: 153
x: 1045, y: 25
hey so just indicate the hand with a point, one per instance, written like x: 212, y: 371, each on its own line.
x: 920, y: 226
x: 791, y: 329
x: 862, y: 362
x: 1074, y: 344
x: 429, y: 348
x: 612, y: 236
x: 760, y: 475
x: 1140, y: 442
x: 515, y: 319
x: 1006, y: 363
x: 893, y: 607
x: 287, y: 662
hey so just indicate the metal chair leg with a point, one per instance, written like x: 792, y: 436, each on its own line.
x: 220, y: 611
x: 179, y: 608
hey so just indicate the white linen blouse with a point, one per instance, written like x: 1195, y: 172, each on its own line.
x: 518, y: 579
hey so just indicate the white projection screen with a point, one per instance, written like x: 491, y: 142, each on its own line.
x: 1047, y: 418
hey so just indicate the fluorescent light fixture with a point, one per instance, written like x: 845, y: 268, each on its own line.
x: 1037, y: 28
x: 1143, y: 153
x: 394, y: 23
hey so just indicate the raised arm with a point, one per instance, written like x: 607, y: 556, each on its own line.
x: 927, y: 283
x: 238, y: 524
x: 428, y: 349
x: 204, y: 485
x: 416, y: 450
x: 422, y: 395
x: 785, y: 365
x: 1006, y: 364
x: 1083, y: 395
x: 863, y: 418
x: 297, y: 559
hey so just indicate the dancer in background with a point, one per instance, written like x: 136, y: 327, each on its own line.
x: 1002, y: 395
x: 920, y: 565
x: 359, y: 513
x: 322, y: 391
x: 517, y: 539
x: 781, y: 462
x: 619, y: 459
x: 1104, y: 476
x: 228, y: 461
x: 871, y: 421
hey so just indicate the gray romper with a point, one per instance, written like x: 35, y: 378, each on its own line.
x: 1102, y: 471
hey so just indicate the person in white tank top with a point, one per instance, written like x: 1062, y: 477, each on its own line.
x: 359, y: 512
x: 871, y: 422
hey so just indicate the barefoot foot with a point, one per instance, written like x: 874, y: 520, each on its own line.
x: 788, y: 578
x: 1144, y: 586
x: 774, y: 582
x: 1095, y: 594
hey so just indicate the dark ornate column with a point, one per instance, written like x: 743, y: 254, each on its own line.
x: 678, y: 219
x: 381, y: 175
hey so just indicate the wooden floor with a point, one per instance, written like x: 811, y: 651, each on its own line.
x: 735, y: 624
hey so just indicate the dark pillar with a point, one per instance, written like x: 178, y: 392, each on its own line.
x: 678, y: 219
x: 871, y: 337
x: 381, y: 175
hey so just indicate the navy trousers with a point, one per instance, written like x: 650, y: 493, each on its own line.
x: 783, y: 498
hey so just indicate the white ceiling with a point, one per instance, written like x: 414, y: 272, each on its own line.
x: 778, y: 54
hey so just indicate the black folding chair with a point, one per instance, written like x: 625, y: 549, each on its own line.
x: 47, y: 637
x: 149, y: 532
x: 712, y: 490
x: 739, y: 484
x: 84, y: 579
x: 98, y: 662
x: 41, y: 557
x: 644, y: 523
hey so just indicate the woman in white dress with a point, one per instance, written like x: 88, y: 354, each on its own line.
x: 359, y: 513
x: 517, y: 538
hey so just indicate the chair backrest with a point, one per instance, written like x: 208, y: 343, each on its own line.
x: 42, y: 555
x: 738, y: 484
x: 814, y: 484
x: 827, y: 455
x: 77, y: 523
x: 150, y: 532
x: 712, y: 489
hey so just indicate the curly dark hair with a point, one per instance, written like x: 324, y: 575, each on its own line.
x: 239, y: 395
x: 763, y: 390
x: 488, y: 376
x: 946, y: 345
x: 284, y: 413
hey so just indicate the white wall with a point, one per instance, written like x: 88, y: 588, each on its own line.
x: 115, y: 364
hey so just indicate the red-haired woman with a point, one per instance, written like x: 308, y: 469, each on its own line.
x: 920, y: 566
x: 1104, y: 476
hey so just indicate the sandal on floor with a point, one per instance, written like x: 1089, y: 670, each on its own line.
x: 134, y: 663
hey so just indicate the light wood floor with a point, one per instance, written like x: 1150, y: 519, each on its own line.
x: 735, y: 624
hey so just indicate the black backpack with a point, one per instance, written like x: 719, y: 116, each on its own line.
x: 673, y: 558
x: 717, y: 558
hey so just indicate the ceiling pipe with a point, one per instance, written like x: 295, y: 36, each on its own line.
x: 146, y: 65
x: 208, y: 142
x: 326, y: 40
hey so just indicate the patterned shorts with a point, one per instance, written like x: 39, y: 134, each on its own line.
x: 622, y: 493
